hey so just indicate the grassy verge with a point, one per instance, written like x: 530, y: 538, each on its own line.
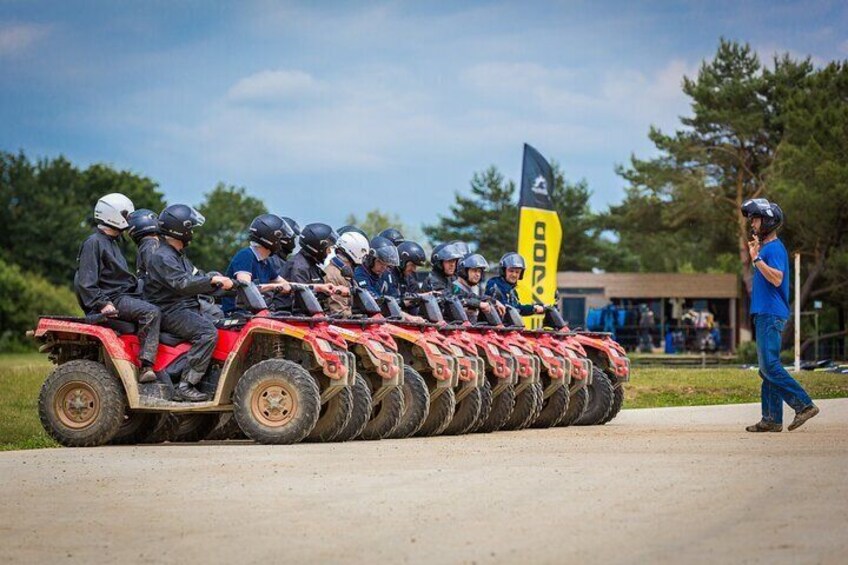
x: 21, y: 377
x: 654, y: 387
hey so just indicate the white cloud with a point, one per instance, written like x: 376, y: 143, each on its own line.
x: 17, y: 38
x: 272, y: 85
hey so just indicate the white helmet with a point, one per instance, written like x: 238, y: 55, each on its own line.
x: 355, y: 245
x: 112, y: 210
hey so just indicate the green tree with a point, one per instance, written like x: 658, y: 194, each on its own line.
x: 488, y: 218
x: 47, y: 209
x: 376, y: 221
x: 228, y: 211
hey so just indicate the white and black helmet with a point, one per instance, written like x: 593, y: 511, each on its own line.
x: 112, y: 210
x: 353, y: 245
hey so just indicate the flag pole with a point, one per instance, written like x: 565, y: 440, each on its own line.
x: 797, y: 312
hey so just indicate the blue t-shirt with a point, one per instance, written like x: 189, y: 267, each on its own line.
x: 765, y: 297
x: 246, y: 261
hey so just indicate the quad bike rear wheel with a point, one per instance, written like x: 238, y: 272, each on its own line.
x: 617, y: 400
x: 600, y: 399
x: 528, y: 404
x: 195, y: 427
x: 441, y: 412
x: 416, y: 404
x: 576, y: 406
x: 466, y: 415
x: 360, y: 413
x: 385, y: 414
x: 226, y: 428
x: 276, y: 402
x: 485, y: 405
x: 334, y: 416
x: 554, y: 407
x: 139, y: 427
x: 81, y: 404
x: 502, y: 406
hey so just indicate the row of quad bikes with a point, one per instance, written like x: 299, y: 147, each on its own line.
x: 285, y: 377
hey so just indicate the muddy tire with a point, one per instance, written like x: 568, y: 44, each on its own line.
x: 466, y: 415
x: 386, y: 414
x: 441, y: 413
x: 485, y: 405
x: 554, y: 407
x: 334, y: 416
x: 600, y: 399
x: 416, y: 404
x: 81, y: 404
x: 617, y: 401
x: 276, y: 402
x: 360, y: 413
x: 165, y: 429
x: 135, y: 425
x: 576, y: 406
x: 528, y: 404
x: 226, y: 429
x: 502, y: 406
x: 195, y: 427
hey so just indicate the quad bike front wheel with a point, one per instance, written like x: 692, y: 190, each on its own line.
x: 81, y: 404
x: 276, y: 402
x: 386, y: 413
x: 502, y: 407
x: 528, y: 404
x: 360, y: 413
x: 576, y: 406
x: 485, y: 405
x: 554, y: 407
x: 617, y: 400
x: 416, y: 404
x: 466, y: 415
x: 600, y: 399
x: 334, y: 416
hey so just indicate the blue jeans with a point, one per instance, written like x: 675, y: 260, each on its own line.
x: 778, y: 385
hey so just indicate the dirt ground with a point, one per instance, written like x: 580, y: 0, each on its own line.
x: 659, y: 485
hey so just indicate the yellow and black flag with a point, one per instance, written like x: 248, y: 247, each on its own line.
x: 539, y: 232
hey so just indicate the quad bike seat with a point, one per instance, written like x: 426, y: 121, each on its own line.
x: 122, y: 327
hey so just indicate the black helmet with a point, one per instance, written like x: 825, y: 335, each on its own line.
x: 771, y: 214
x: 512, y: 260
x: 383, y: 249
x: 411, y: 251
x: 473, y: 261
x: 269, y: 230
x: 179, y: 220
x: 317, y: 239
x: 444, y: 252
x: 287, y: 244
x: 392, y: 235
x: 142, y: 222
x: 345, y: 229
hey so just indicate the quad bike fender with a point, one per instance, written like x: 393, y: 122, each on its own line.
x: 605, y: 353
x: 428, y: 345
x: 380, y: 350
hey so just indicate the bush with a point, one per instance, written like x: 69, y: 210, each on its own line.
x: 23, y: 297
x: 747, y: 353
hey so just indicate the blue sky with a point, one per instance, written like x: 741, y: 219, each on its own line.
x: 322, y: 109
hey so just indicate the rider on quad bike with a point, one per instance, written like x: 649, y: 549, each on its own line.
x: 370, y: 274
x: 173, y: 284
x: 304, y: 267
x: 253, y: 263
x: 351, y: 248
x: 105, y: 285
x: 502, y: 287
x: 444, y: 258
x: 468, y: 285
x: 144, y: 231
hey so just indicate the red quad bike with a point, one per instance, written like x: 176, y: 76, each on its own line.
x: 429, y: 355
x: 516, y: 406
x: 473, y: 395
x: 378, y: 395
x: 274, y: 376
x: 556, y: 365
x: 610, y: 370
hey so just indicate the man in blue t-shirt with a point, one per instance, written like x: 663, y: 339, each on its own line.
x: 254, y: 264
x: 770, y: 310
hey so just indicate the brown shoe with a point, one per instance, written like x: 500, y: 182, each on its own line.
x: 803, y: 416
x: 763, y: 426
x: 147, y: 375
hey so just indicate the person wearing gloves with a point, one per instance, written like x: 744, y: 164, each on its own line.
x: 468, y: 285
x: 105, y: 285
x: 174, y: 284
x: 444, y: 258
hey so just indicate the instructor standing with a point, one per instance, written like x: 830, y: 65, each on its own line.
x: 770, y: 309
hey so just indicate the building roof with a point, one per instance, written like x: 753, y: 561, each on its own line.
x: 649, y: 285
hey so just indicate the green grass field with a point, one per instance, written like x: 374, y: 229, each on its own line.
x: 21, y: 377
